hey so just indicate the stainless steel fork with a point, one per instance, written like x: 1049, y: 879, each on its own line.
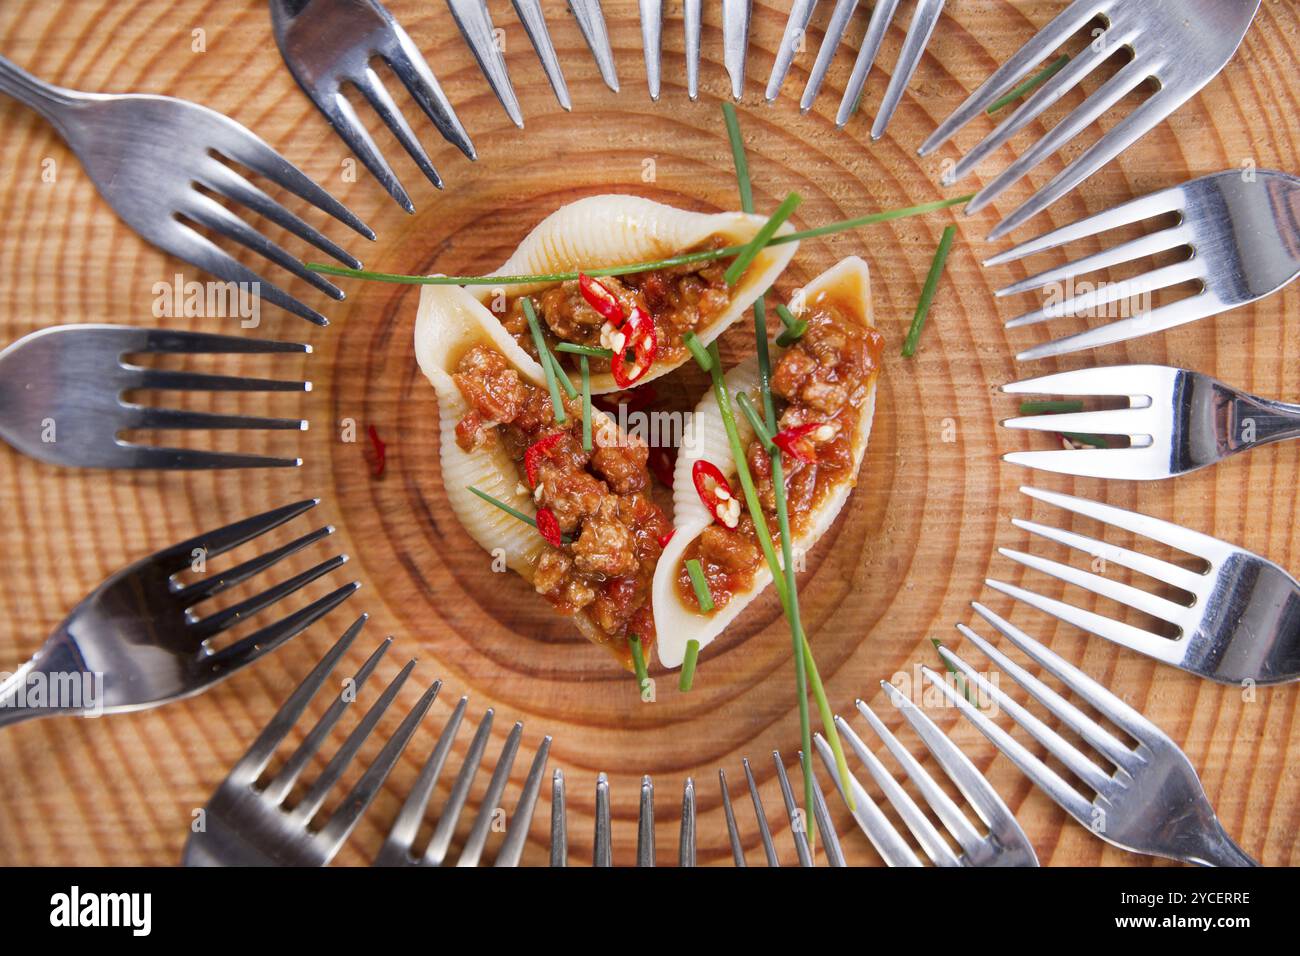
x: 1243, y: 231
x: 397, y: 848
x: 139, y: 632
x: 72, y: 378
x: 245, y: 824
x: 1176, y: 421
x: 602, y: 846
x: 1004, y: 843
x: 146, y: 154
x: 736, y: 18
x: 924, y: 20
x: 1151, y: 803
x: 795, y: 814
x: 1243, y: 622
x: 475, y: 22
x: 1181, y: 44
x: 331, y: 44
x: 591, y: 22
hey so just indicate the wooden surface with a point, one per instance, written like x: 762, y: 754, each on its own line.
x: 899, y: 568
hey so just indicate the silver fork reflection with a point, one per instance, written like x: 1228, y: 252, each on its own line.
x: 397, y: 848
x: 1176, y: 421
x: 1152, y: 802
x: 1180, y: 59
x: 1243, y: 232
x: 1243, y: 622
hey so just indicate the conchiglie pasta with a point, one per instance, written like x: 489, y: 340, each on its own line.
x: 834, y: 301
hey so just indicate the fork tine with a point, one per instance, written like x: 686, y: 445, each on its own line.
x: 408, y: 64
x: 342, y: 115
x: 796, y: 27
x: 1158, y: 320
x: 310, y: 804
x: 1057, y: 86
x: 909, y: 58
x: 652, y: 22
x: 1147, y: 115
x: 377, y: 95
x: 512, y: 847
x: 1130, y: 464
x: 474, y: 843
x: 691, y: 19
x: 205, y: 628
x: 149, y: 418
x: 186, y: 243
x: 436, y: 852
x: 1107, y: 703
x: 601, y: 853
x: 835, y: 28
x: 258, y: 755
x: 1176, y: 536
x: 1047, y: 779
x: 645, y: 824
x: 224, y: 181
x: 737, y: 851
x: 822, y: 814
x: 1068, y: 22
x: 686, y: 840
x: 475, y: 22
x: 765, y: 834
x: 189, y: 459
x: 792, y: 811
x: 1134, y: 638
x: 534, y: 21
x: 169, y: 380
x: 178, y: 342
x: 1148, y: 245
x: 735, y: 41
x: 1165, y: 277
x: 1096, y: 736
x: 1126, y: 381
x: 591, y: 21
x: 215, y: 584
x: 559, y: 822
x: 877, y: 26
x: 230, y: 659
x: 1154, y: 568
x: 397, y: 845
x: 891, y: 847
x: 344, y: 819
x: 945, y: 809
x: 931, y: 841
x: 277, y: 788
x: 1135, y: 210
x: 220, y: 540
x: 249, y: 150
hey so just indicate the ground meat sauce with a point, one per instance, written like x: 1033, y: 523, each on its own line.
x: 824, y: 377
x: 601, y: 499
x: 680, y: 299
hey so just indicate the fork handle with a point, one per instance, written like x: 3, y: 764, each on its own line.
x: 45, y: 98
x: 1219, y: 849
x: 1261, y: 421
x: 11, y: 712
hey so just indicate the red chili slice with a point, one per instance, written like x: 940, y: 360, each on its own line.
x: 536, y: 452
x: 666, y: 537
x: 642, y: 341
x: 549, y: 527
x: 794, y: 441
x: 602, y: 300
x: 708, y: 482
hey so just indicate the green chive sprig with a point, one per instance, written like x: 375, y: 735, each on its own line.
x: 794, y: 327
x: 703, y: 596
x: 756, y: 422
x: 514, y: 512
x: 1051, y: 408
x: 1031, y: 84
x: 697, y: 350
x: 927, y: 292
x: 545, y: 358
x: 586, y: 403
x: 638, y: 661
x: 589, y: 350
x: 688, y: 665
x: 761, y: 239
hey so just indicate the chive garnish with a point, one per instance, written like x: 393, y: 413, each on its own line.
x: 561, y: 376
x: 794, y: 327
x: 638, y: 660
x: 761, y: 239
x: 1050, y: 408
x: 688, y: 665
x: 586, y: 404
x: 1031, y: 84
x: 703, y: 596
x: 687, y: 258
x: 697, y: 350
x: 958, y: 677
x: 927, y: 292
x: 497, y: 502
x: 574, y: 349
x: 756, y: 422
x: 545, y: 358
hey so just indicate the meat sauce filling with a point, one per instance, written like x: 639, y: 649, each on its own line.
x: 680, y: 299
x: 824, y: 377
x: 601, y: 499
